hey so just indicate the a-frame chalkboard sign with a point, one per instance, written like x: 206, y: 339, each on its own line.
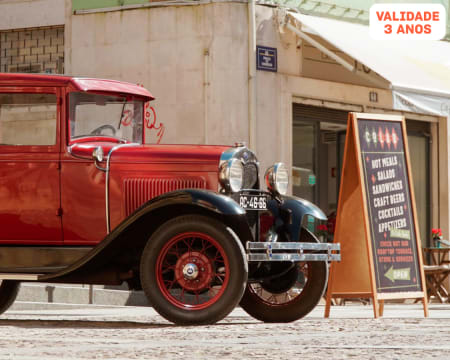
x: 376, y: 218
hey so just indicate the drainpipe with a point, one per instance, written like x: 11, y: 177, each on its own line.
x: 252, y: 75
x: 206, y: 92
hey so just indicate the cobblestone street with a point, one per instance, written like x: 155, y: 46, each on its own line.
x: 139, y: 333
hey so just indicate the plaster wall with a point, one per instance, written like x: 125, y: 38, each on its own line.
x: 194, y: 60
x: 17, y: 14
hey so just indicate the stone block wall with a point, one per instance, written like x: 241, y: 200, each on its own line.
x: 32, y: 50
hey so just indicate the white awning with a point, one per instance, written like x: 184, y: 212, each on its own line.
x: 419, y: 71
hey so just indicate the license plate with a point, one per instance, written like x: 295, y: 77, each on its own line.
x: 253, y: 202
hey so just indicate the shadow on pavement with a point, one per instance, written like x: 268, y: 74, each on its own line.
x: 99, y: 324
x: 81, y: 324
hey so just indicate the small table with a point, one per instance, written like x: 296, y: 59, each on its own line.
x: 439, y: 255
x: 437, y: 272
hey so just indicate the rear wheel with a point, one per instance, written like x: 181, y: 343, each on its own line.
x: 291, y: 296
x: 8, y: 293
x: 193, y: 270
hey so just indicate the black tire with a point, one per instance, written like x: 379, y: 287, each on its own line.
x: 291, y: 296
x: 8, y: 293
x: 193, y: 270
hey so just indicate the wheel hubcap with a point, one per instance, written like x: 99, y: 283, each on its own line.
x: 190, y: 271
x: 194, y: 271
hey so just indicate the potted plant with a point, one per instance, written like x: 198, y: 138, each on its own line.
x: 436, y: 235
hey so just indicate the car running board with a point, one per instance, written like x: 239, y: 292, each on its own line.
x: 271, y: 251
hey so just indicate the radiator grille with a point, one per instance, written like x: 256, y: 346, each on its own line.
x: 250, y: 175
x: 140, y: 190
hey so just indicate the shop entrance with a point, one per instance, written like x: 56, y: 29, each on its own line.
x: 318, y: 150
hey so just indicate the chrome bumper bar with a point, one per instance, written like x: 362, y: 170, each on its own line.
x: 271, y: 251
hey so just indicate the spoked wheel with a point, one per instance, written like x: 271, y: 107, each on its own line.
x: 8, y: 293
x: 197, y: 265
x: 193, y: 271
x: 288, y: 297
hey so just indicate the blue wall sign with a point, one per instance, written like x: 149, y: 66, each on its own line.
x: 266, y: 58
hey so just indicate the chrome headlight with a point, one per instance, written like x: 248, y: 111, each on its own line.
x: 277, y: 178
x: 231, y: 175
x: 97, y: 154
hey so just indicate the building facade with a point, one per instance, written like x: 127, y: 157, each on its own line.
x: 199, y: 59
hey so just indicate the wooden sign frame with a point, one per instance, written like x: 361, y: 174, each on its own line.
x: 355, y: 275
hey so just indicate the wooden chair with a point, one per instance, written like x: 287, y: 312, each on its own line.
x: 435, y: 276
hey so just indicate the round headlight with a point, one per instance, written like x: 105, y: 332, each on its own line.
x: 277, y: 178
x: 232, y: 175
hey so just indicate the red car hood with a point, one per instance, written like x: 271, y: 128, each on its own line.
x: 205, y: 154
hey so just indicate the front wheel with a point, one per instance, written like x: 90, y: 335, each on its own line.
x: 8, y: 293
x: 291, y: 296
x: 193, y: 270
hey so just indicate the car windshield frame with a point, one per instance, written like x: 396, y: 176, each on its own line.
x: 107, y: 116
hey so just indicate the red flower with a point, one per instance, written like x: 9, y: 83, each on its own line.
x: 322, y: 230
x: 436, y: 232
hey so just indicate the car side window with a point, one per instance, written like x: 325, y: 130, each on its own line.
x: 28, y: 119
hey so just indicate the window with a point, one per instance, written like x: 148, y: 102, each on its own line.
x: 28, y: 119
x: 110, y: 116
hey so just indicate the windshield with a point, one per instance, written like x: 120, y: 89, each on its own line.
x: 120, y: 117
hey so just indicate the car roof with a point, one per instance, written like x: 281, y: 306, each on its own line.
x: 80, y: 83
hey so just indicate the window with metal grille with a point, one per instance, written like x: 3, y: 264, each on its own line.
x: 34, y: 50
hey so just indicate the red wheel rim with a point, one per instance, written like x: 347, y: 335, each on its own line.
x: 192, y: 271
x: 283, y: 299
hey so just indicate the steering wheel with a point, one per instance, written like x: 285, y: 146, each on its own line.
x: 99, y: 130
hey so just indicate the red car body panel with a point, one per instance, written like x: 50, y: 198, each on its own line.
x: 29, y: 184
x: 53, y: 195
x: 29, y: 198
x: 135, y: 171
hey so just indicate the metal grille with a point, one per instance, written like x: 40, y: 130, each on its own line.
x: 250, y: 175
x: 140, y: 190
x: 32, y: 50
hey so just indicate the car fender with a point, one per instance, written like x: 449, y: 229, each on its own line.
x: 292, y: 210
x: 136, y: 229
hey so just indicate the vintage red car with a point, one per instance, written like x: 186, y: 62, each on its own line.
x: 84, y: 200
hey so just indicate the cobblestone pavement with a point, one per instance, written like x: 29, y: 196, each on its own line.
x: 139, y: 333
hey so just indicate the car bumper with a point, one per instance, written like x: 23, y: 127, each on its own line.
x: 292, y: 251
x: 287, y: 213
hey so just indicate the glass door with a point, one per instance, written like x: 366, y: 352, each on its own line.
x: 304, y: 177
x: 419, y: 153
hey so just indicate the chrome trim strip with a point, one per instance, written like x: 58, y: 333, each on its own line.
x: 108, y: 161
x: 299, y: 255
x: 292, y: 246
x: 293, y: 257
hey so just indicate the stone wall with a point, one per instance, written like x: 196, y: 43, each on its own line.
x: 32, y: 50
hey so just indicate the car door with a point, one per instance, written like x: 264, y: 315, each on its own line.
x: 29, y: 166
